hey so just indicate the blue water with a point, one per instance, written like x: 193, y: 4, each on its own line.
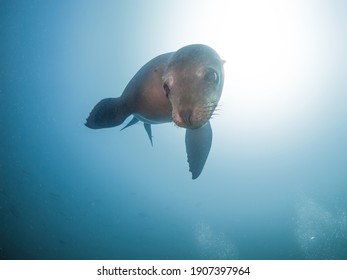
x: 274, y: 185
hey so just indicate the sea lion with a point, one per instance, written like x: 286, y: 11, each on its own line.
x: 183, y: 86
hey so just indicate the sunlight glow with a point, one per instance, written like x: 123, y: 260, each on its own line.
x: 276, y: 59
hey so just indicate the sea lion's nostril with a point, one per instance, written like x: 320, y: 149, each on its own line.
x: 186, y: 116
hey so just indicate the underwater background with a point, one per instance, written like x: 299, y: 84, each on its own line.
x: 275, y: 183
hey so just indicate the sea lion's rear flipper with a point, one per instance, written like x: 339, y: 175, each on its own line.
x: 147, y: 126
x: 149, y: 131
x: 198, y: 145
x: 108, y: 112
x: 132, y: 122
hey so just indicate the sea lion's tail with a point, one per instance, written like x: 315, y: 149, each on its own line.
x: 108, y: 112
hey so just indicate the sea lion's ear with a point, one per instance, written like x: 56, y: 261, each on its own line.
x: 198, y: 145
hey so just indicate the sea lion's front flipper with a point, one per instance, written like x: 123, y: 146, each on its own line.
x: 149, y: 131
x: 108, y: 112
x: 198, y: 145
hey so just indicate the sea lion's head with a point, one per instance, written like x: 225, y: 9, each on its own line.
x: 193, y: 82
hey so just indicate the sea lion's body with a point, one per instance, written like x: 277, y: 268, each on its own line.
x: 145, y: 94
x: 183, y: 86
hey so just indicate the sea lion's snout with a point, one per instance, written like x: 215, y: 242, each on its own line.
x: 183, y: 118
x: 189, y: 118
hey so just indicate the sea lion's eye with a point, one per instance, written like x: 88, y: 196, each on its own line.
x: 167, y: 90
x: 211, y: 76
